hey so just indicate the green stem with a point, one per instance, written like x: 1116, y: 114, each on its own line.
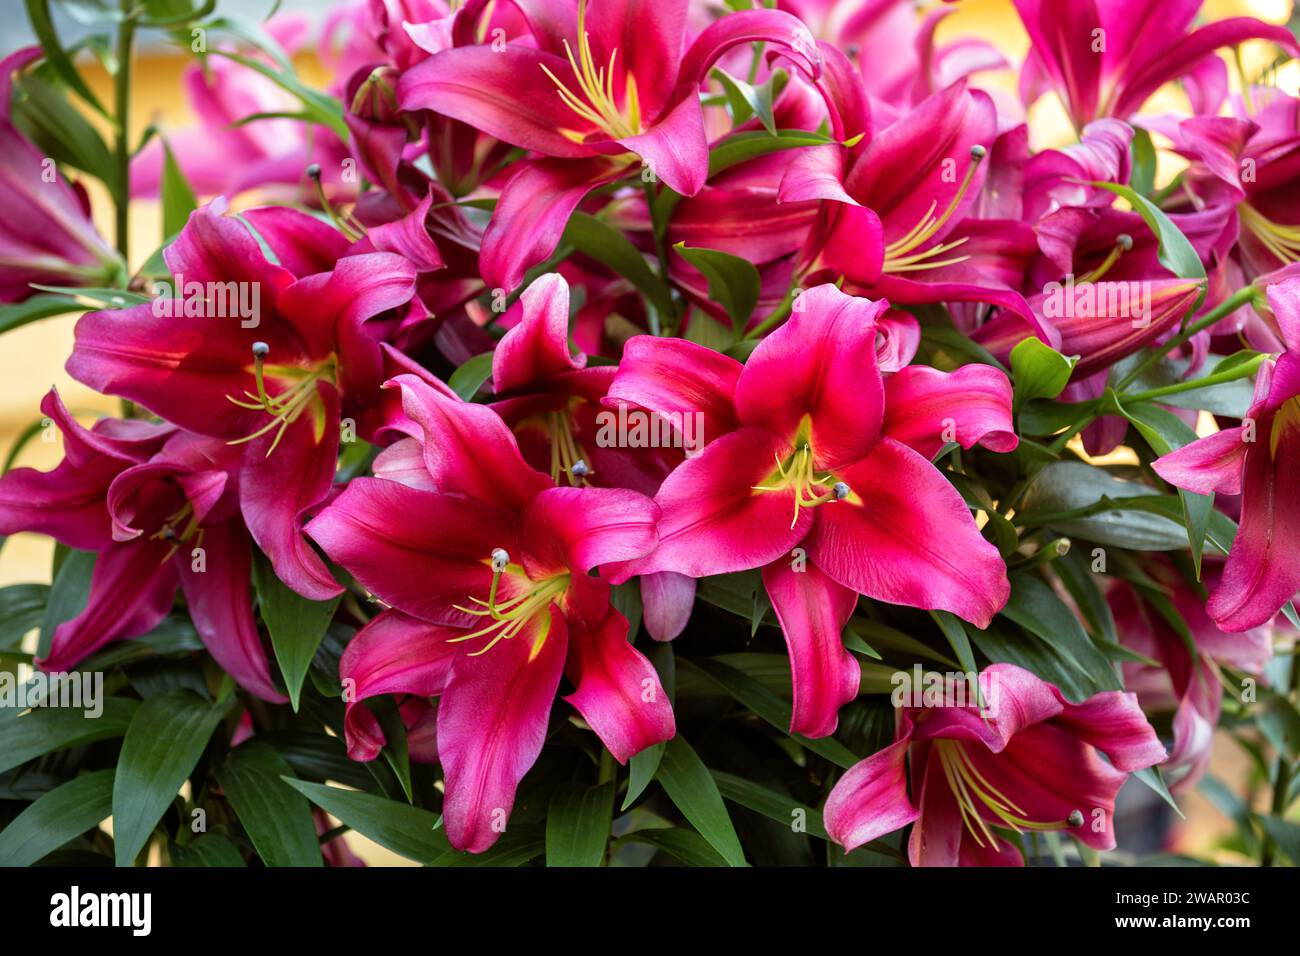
x: 661, y: 252
x: 1281, y: 782
x: 1226, y: 307
x: 1242, y: 371
x: 122, y: 118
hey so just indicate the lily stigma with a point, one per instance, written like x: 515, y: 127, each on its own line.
x: 567, y: 456
x: 597, y: 103
x: 1123, y: 243
x: 975, y: 794
x: 797, y: 473
x: 900, y: 255
x: 512, y: 616
x: 286, y: 407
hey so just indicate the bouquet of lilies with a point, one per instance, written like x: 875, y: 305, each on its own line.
x: 626, y: 432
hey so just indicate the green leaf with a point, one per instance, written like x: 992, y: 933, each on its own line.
x: 1039, y: 371
x: 1152, y: 777
x: 577, y: 825
x: 324, y: 110
x: 689, y: 785
x: 753, y: 695
x: 295, y: 623
x: 64, y: 813
x: 276, y: 817
x: 469, y: 378
x: 209, y: 850
x: 734, y: 283
x: 641, y: 771
x: 1165, y: 432
x: 46, y: 729
x: 1279, y: 722
x: 1175, y: 252
x: 742, y: 147
x: 22, y: 607
x: 686, y: 845
x: 38, y: 15
x: 1063, y: 488
x: 163, y: 743
x: 177, y: 197
x: 612, y: 249
x: 1285, y: 834
x: 406, y: 830
x: 773, y: 805
x: 1143, y: 177
x: 1035, y: 607
x: 955, y: 632
x: 60, y: 132
x: 745, y: 99
x: 37, y: 307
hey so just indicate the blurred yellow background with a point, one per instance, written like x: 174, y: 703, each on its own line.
x: 32, y: 358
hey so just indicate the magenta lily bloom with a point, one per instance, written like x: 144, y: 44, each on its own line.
x: 817, y: 470
x: 1102, y: 59
x: 279, y: 381
x: 486, y: 565
x: 893, y: 205
x: 1029, y: 764
x: 46, y: 235
x: 1186, y: 683
x: 605, y: 89
x: 161, y: 508
x: 552, y: 400
x: 1260, y: 460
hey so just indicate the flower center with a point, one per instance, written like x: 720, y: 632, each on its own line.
x: 567, y: 456
x: 1288, y: 416
x: 188, y: 523
x: 976, y: 796
x: 810, y: 487
x: 595, y: 101
x: 286, y: 406
x: 901, y: 254
x: 1278, y: 238
x: 511, y: 616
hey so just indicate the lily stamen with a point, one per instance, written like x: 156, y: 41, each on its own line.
x: 800, y: 475
x: 285, y: 407
x: 1281, y: 240
x: 1123, y: 243
x: 901, y: 255
x: 510, y: 617
x: 597, y: 104
x: 567, y: 455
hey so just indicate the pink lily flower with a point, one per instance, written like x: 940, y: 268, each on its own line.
x: 161, y: 508
x: 485, y: 565
x: 604, y: 91
x: 551, y: 399
x: 893, y: 221
x: 1184, y: 682
x: 1102, y: 59
x: 817, y: 470
x: 278, y: 382
x: 47, y: 235
x: 1028, y: 765
x: 1259, y: 459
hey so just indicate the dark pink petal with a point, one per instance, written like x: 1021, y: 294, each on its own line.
x: 409, y: 238
x: 468, y: 449
x: 871, y: 799
x: 215, y: 247
x: 675, y: 149
x: 491, y: 726
x: 926, y: 408
x: 618, y: 692
x: 674, y: 378
x: 815, y: 172
x: 131, y: 590
x: 937, y: 836
x: 221, y: 605
x: 820, y: 365
x: 783, y: 33
x: 393, y: 654
x: 648, y: 36
x: 504, y: 93
x: 532, y: 211
x: 1013, y: 700
x: 1263, y: 569
x: 403, y: 461
x: 537, y: 345
x: 419, y: 552
x: 813, y: 610
x: 905, y: 536
x: 277, y: 487
x: 1212, y: 464
x: 302, y: 243
x: 1062, y: 35
x: 580, y: 528
x: 1114, y: 724
x: 667, y: 599
x: 714, y: 521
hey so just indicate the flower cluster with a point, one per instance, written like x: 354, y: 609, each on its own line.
x: 585, y: 321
